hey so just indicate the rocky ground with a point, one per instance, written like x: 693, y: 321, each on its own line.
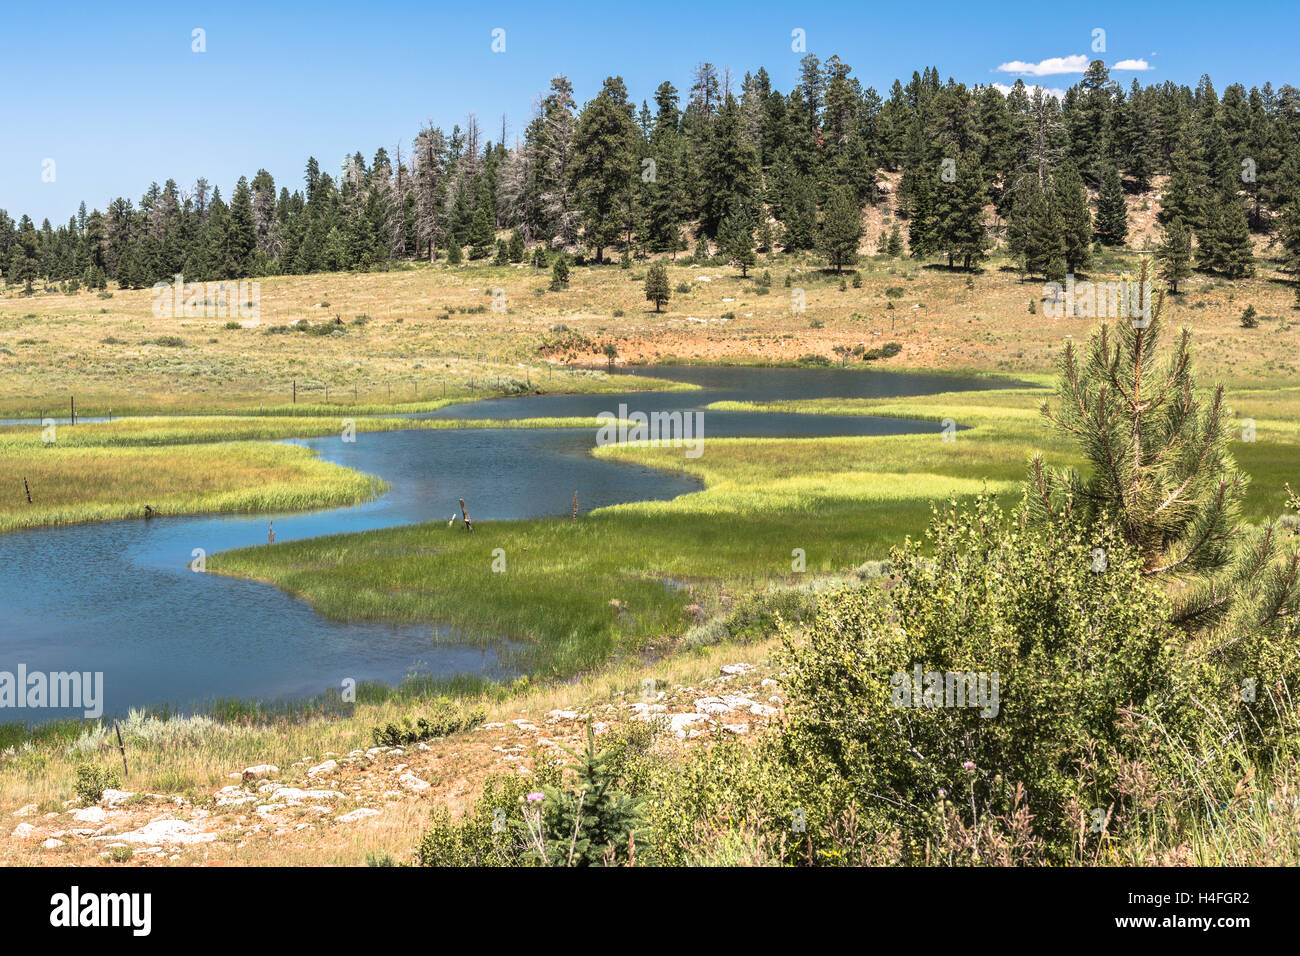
x: 337, y: 807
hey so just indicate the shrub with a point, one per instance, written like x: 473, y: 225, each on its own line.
x: 446, y: 719
x: 1250, y: 318
x: 589, y: 824
x: 591, y: 821
x: 489, y: 833
x: 1072, y: 647
x: 92, y: 781
x: 756, y: 616
x: 888, y: 350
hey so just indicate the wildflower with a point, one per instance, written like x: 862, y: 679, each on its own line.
x: 536, y: 796
x: 968, y: 765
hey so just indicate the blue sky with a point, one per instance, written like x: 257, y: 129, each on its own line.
x: 118, y: 99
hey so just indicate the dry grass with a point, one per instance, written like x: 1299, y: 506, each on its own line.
x: 431, y: 327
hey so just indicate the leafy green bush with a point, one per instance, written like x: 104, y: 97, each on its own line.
x: 1064, y: 620
x: 490, y: 833
x: 92, y: 781
x: 888, y: 350
x: 446, y: 719
x: 544, y: 821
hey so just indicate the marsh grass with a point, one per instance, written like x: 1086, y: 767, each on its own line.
x: 575, y: 593
x: 99, y: 471
x: 96, y: 483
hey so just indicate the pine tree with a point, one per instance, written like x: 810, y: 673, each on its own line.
x: 1070, y: 201
x: 242, y: 236
x: 516, y: 249
x: 894, y: 247
x: 560, y: 273
x: 605, y: 164
x: 736, y: 238
x: 1289, y: 236
x: 1225, y: 245
x: 841, y: 230
x: 1112, y: 214
x: 586, y: 826
x: 454, y: 255
x: 959, y: 231
x: 798, y: 214
x: 1161, y: 471
x: 1034, y: 234
x: 502, y: 257
x: 481, y: 234
x: 1175, y: 255
x: 729, y: 172
x: 656, y: 285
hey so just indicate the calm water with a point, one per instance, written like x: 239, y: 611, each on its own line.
x: 119, y: 597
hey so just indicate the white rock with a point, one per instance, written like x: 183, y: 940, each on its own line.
x: 678, y: 724
x: 738, y: 729
x: 166, y: 831
x: 52, y: 844
x: 90, y: 815
x: 555, y: 716
x: 713, y: 705
x: 26, y: 811
x: 736, y: 668
x: 354, y: 816
x: 261, y: 770
x: 112, y: 798
x: 23, y: 831
x: 762, y: 710
x: 411, y: 782
x: 233, y: 796
x: 326, y: 767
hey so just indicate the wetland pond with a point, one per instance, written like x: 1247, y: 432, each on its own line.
x: 119, y: 597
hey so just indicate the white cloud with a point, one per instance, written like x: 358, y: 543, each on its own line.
x: 1054, y: 92
x: 1075, y: 63
x: 1138, y: 64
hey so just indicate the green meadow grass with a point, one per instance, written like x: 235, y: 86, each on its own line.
x: 74, y: 484
x: 193, y: 430
x: 619, y: 580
